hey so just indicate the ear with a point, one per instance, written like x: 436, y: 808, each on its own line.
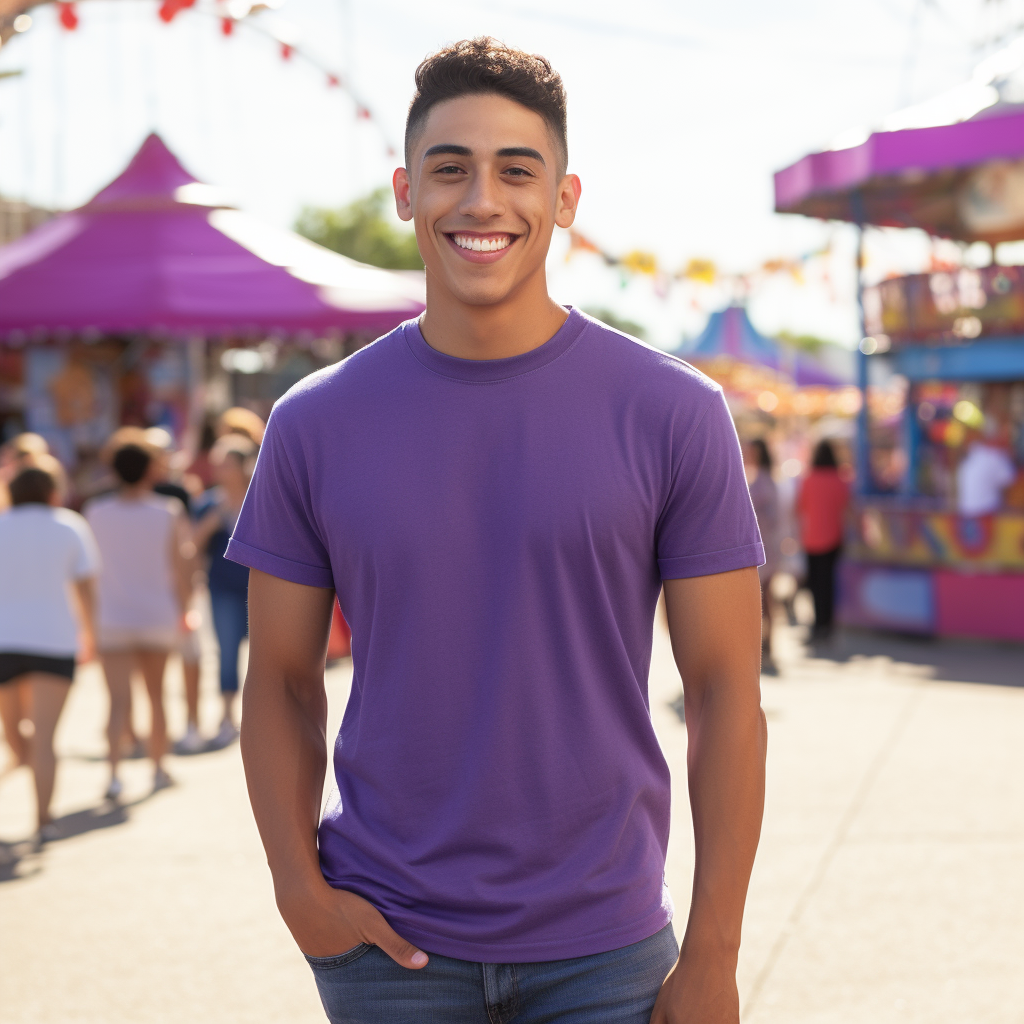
x: 569, y: 190
x: 403, y: 198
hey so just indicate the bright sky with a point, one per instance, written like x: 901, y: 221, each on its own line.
x: 679, y: 113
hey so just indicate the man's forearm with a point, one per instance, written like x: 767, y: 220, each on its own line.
x: 284, y: 751
x: 726, y: 767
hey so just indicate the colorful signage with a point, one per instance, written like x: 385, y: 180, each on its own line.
x: 900, y: 536
x: 951, y: 306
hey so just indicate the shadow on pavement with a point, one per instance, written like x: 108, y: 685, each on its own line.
x: 14, y: 857
x: 990, y: 662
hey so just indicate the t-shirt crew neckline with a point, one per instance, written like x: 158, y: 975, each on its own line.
x: 490, y: 371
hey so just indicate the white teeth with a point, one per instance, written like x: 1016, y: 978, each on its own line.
x: 478, y: 244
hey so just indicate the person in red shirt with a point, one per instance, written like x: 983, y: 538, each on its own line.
x: 821, y: 507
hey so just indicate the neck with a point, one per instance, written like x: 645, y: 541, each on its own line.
x: 521, y: 322
x: 133, y: 491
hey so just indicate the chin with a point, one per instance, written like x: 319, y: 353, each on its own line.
x: 480, y: 292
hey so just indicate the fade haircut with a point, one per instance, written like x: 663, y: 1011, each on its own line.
x: 485, y: 65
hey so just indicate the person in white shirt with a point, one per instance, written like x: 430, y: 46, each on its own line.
x: 47, y: 554
x: 985, y: 472
x: 144, y: 589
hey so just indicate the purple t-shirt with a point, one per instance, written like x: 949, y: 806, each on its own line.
x: 497, y: 532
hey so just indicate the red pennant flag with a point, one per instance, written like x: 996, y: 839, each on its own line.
x: 68, y: 16
x: 227, y: 26
x: 363, y: 113
x: 287, y: 51
x: 333, y: 81
x: 169, y: 9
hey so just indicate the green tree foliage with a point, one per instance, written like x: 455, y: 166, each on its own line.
x: 806, y: 342
x: 618, y: 323
x: 362, y: 231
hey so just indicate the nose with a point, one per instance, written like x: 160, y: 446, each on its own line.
x: 482, y: 200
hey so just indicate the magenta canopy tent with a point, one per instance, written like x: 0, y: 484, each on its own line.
x: 959, y: 180
x: 157, y: 251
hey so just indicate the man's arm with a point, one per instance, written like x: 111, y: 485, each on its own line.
x: 284, y: 750
x: 715, y: 625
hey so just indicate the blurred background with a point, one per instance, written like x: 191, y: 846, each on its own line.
x: 820, y: 205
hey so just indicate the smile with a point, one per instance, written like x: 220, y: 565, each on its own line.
x: 481, y: 248
x: 481, y: 243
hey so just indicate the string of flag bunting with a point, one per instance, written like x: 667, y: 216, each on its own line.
x: 230, y: 14
x: 697, y: 270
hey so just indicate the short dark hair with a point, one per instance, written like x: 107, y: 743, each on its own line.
x: 485, y: 65
x: 762, y: 456
x: 824, y: 456
x: 130, y: 462
x: 32, y: 486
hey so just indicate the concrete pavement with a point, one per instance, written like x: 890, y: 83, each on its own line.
x: 889, y: 884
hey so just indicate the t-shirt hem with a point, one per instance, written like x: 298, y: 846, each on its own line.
x: 39, y: 650
x: 533, y: 952
x: 275, y: 565
x: 711, y: 562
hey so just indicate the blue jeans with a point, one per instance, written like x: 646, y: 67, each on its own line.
x: 365, y: 986
x: 231, y: 624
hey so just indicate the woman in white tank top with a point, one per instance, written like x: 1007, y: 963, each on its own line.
x: 143, y: 592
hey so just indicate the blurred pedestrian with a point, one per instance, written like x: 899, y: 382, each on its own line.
x: 143, y: 595
x: 15, y: 455
x: 983, y: 476
x: 164, y: 473
x: 764, y: 495
x: 233, y: 459
x: 239, y: 420
x: 47, y: 554
x: 200, y: 469
x: 821, y: 507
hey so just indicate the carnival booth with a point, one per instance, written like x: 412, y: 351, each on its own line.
x: 937, y: 548
x: 158, y: 301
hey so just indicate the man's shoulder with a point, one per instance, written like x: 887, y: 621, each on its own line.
x: 651, y: 368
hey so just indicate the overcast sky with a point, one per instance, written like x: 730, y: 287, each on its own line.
x: 679, y: 113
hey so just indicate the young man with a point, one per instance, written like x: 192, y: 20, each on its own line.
x: 496, y: 492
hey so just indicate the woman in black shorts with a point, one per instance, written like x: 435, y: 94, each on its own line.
x: 46, y: 552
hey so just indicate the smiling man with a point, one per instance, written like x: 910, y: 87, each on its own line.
x: 497, y: 494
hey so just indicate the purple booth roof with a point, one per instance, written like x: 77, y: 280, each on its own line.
x: 159, y: 251
x: 910, y: 178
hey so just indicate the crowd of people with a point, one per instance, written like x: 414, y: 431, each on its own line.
x: 821, y: 503
x: 119, y: 580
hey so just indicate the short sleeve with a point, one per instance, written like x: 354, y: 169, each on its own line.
x: 276, y: 531
x: 708, y: 523
x: 86, y: 560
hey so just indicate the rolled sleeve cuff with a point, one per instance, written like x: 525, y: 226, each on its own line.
x: 275, y: 565
x: 711, y: 562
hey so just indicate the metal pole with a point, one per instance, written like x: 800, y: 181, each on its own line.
x: 863, y: 452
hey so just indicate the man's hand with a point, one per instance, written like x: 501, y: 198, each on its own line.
x: 284, y: 751
x: 699, y: 990
x: 327, y: 921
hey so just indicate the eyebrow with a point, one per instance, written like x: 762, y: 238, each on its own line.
x: 451, y: 149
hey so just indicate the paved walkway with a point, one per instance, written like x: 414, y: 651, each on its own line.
x: 889, y: 885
